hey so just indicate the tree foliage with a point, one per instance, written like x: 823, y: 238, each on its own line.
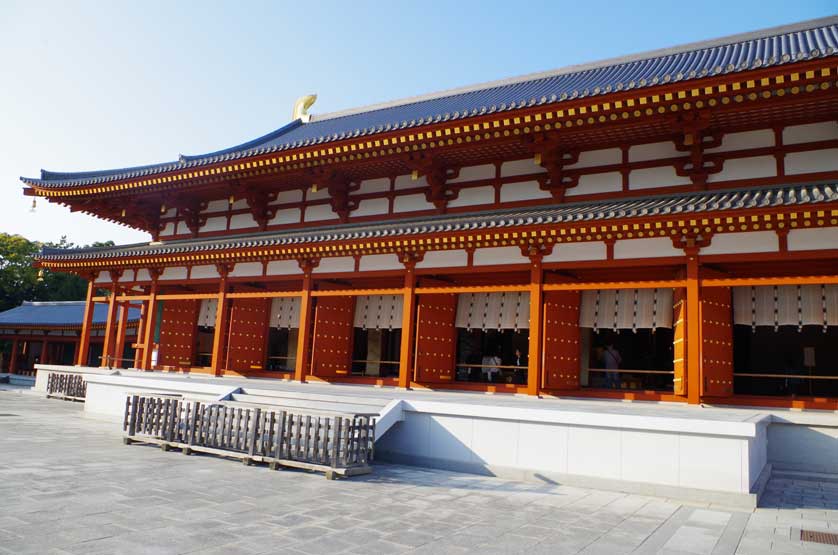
x: 19, y: 278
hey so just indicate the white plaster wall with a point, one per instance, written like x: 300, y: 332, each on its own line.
x: 526, y: 166
x: 604, y: 157
x: 286, y: 216
x: 806, y: 448
x: 744, y: 140
x: 652, y: 247
x: 649, y: 178
x: 320, y: 194
x: 338, y: 264
x: 380, y: 262
x: 170, y: 213
x: 178, y: 272
x: 443, y: 259
x: 813, y: 239
x: 653, y: 151
x: 246, y: 269
x: 381, y: 185
x: 569, y: 252
x: 593, y: 183
x: 407, y: 182
x: 735, y: 243
x: 143, y: 275
x: 286, y: 197
x: 499, y: 255
x: 103, y: 277
x: 411, y: 203
x: 168, y: 229
x: 216, y: 206
x: 282, y: 268
x: 474, y: 173
x: 239, y: 204
x: 527, y: 190
x: 240, y: 221
x: 473, y: 196
x: 810, y: 132
x: 217, y: 223
x: 745, y: 168
x: 203, y: 272
x: 812, y: 161
x: 371, y: 207
x: 319, y: 212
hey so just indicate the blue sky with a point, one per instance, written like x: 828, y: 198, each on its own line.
x: 96, y: 85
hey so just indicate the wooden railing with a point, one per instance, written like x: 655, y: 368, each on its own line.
x: 71, y: 387
x: 335, y: 444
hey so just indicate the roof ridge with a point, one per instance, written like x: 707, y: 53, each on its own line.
x: 50, y: 303
x: 576, y: 68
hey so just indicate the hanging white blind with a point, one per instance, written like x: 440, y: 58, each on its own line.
x: 486, y: 311
x: 786, y: 305
x: 285, y: 312
x: 378, y: 312
x: 631, y: 309
x: 206, y: 314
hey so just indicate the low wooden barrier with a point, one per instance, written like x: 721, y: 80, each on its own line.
x: 71, y: 387
x: 339, y: 445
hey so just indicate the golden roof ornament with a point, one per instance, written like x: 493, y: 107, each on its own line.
x: 301, y: 107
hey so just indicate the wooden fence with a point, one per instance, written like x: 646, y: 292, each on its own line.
x: 67, y: 386
x: 336, y: 444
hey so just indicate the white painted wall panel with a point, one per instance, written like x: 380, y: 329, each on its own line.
x: 321, y: 193
x: 604, y: 157
x: 282, y: 268
x: 495, y: 442
x: 474, y: 196
x: 744, y: 140
x: 450, y: 438
x: 143, y: 275
x: 319, y: 212
x: 652, y: 247
x: 239, y: 204
x: 653, y: 151
x: 813, y: 239
x: 380, y: 185
x: 812, y: 161
x: 168, y: 229
x: 380, y: 262
x: 178, y: 272
x: 649, y: 178
x: 735, y: 243
x: 170, y: 213
x: 643, y: 454
x: 745, y: 168
x: 407, y: 182
x: 542, y: 446
x: 286, y: 216
x: 527, y: 190
x: 411, y: 203
x: 338, y: 264
x: 215, y: 223
x: 371, y: 207
x: 241, y: 221
x: 247, y: 269
x: 285, y: 197
x: 520, y: 167
x: 593, y: 451
x: 474, y: 173
x: 443, y: 259
x: 103, y: 277
x: 597, y: 183
x: 216, y: 206
x: 203, y: 272
x: 810, y: 132
x: 499, y: 255
x: 698, y: 466
x: 569, y: 252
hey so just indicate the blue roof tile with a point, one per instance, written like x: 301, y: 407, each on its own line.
x: 57, y: 313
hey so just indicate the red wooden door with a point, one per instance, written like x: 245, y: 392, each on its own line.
x: 248, y: 330
x: 331, y: 352
x: 679, y: 338
x: 561, y: 339
x: 436, y: 338
x: 716, y: 342
x: 177, y: 333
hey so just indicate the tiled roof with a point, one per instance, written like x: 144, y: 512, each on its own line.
x: 57, y: 313
x: 567, y: 213
x: 768, y: 47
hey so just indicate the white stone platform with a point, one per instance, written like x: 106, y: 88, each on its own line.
x: 699, y: 453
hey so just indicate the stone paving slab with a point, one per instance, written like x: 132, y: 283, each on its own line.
x: 69, y: 486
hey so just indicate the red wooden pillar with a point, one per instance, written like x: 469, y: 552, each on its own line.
x: 108, y: 345
x: 121, y: 328
x: 84, y: 339
x: 150, y: 325
x: 44, y: 352
x: 13, y: 357
x: 304, y: 335
x: 219, y: 338
x: 408, y: 324
x: 693, y: 315
x: 535, y: 359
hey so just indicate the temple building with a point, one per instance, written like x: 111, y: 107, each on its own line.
x: 661, y: 226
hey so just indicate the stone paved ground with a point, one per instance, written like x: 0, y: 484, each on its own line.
x: 68, y: 485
